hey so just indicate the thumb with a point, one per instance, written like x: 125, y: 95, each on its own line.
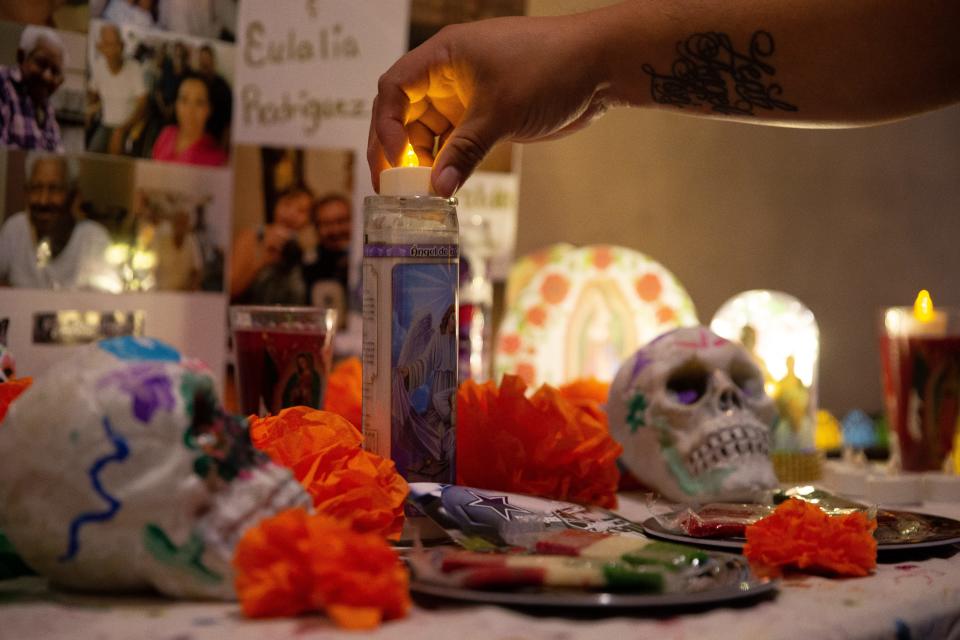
x: 465, y: 147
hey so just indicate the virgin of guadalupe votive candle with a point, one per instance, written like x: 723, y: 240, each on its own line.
x: 920, y: 362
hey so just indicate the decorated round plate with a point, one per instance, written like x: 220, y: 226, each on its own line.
x: 730, y: 580
x: 579, y: 312
x: 903, y: 530
x: 896, y: 531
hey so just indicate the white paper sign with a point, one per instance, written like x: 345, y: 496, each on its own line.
x: 191, y: 322
x: 307, y: 70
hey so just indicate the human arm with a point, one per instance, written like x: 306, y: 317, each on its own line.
x: 252, y: 252
x: 196, y: 263
x: 120, y: 133
x: 92, y: 108
x: 6, y: 253
x: 6, y: 115
x: 811, y: 63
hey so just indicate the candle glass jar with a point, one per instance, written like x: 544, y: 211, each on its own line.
x: 410, y: 278
x: 920, y: 372
x: 283, y: 356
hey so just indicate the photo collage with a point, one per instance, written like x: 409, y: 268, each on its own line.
x: 128, y: 163
x: 114, y: 144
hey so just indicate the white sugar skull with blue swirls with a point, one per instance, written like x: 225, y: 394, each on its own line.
x: 121, y: 471
x: 691, y: 413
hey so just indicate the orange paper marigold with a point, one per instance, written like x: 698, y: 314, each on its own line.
x: 799, y: 535
x: 588, y: 391
x: 325, y: 454
x: 545, y: 445
x: 294, y: 563
x: 344, y: 388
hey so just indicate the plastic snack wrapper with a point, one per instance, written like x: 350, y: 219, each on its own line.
x: 829, y: 503
x: 713, y: 520
x: 497, y: 519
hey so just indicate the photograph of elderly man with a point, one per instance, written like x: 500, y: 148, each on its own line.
x: 46, y: 246
x: 27, y: 118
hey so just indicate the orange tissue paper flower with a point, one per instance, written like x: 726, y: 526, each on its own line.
x: 546, y: 445
x: 325, y: 453
x: 294, y: 563
x: 799, y: 535
x: 586, y: 391
x: 344, y: 388
x: 10, y: 391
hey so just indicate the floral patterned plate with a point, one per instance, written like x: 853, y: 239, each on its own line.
x: 584, y: 310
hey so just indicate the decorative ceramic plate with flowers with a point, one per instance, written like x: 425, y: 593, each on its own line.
x: 586, y: 309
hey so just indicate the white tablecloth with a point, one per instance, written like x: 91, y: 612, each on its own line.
x: 910, y: 597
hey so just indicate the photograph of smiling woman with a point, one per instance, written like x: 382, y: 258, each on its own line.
x: 192, y: 138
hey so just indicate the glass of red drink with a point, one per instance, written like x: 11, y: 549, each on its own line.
x: 283, y: 356
x: 920, y: 363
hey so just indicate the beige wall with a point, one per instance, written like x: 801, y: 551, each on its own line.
x: 847, y: 221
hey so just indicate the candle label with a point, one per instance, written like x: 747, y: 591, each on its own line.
x: 410, y: 316
x: 450, y: 251
x: 424, y: 370
x: 921, y: 379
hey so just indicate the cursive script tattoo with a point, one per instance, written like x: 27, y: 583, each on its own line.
x: 709, y: 72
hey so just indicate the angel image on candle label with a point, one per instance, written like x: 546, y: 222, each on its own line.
x: 424, y: 371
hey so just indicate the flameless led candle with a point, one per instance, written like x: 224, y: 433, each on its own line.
x: 923, y: 320
x: 409, y: 179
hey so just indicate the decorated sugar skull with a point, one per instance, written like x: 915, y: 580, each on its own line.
x: 121, y: 471
x: 691, y: 413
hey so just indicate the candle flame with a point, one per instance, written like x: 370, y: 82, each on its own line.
x: 409, y: 157
x: 923, y: 307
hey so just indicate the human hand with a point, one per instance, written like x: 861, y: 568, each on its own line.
x: 274, y: 237
x: 116, y: 141
x: 473, y: 85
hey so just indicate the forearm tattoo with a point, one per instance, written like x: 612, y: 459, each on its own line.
x: 709, y: 72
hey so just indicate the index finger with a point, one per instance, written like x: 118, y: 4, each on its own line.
x: 405, y: 83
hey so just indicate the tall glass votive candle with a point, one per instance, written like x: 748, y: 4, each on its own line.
x: 283, y: 356
x: 920, y: 366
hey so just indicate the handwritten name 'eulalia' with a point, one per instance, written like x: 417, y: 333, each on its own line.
x: 327, y: 43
